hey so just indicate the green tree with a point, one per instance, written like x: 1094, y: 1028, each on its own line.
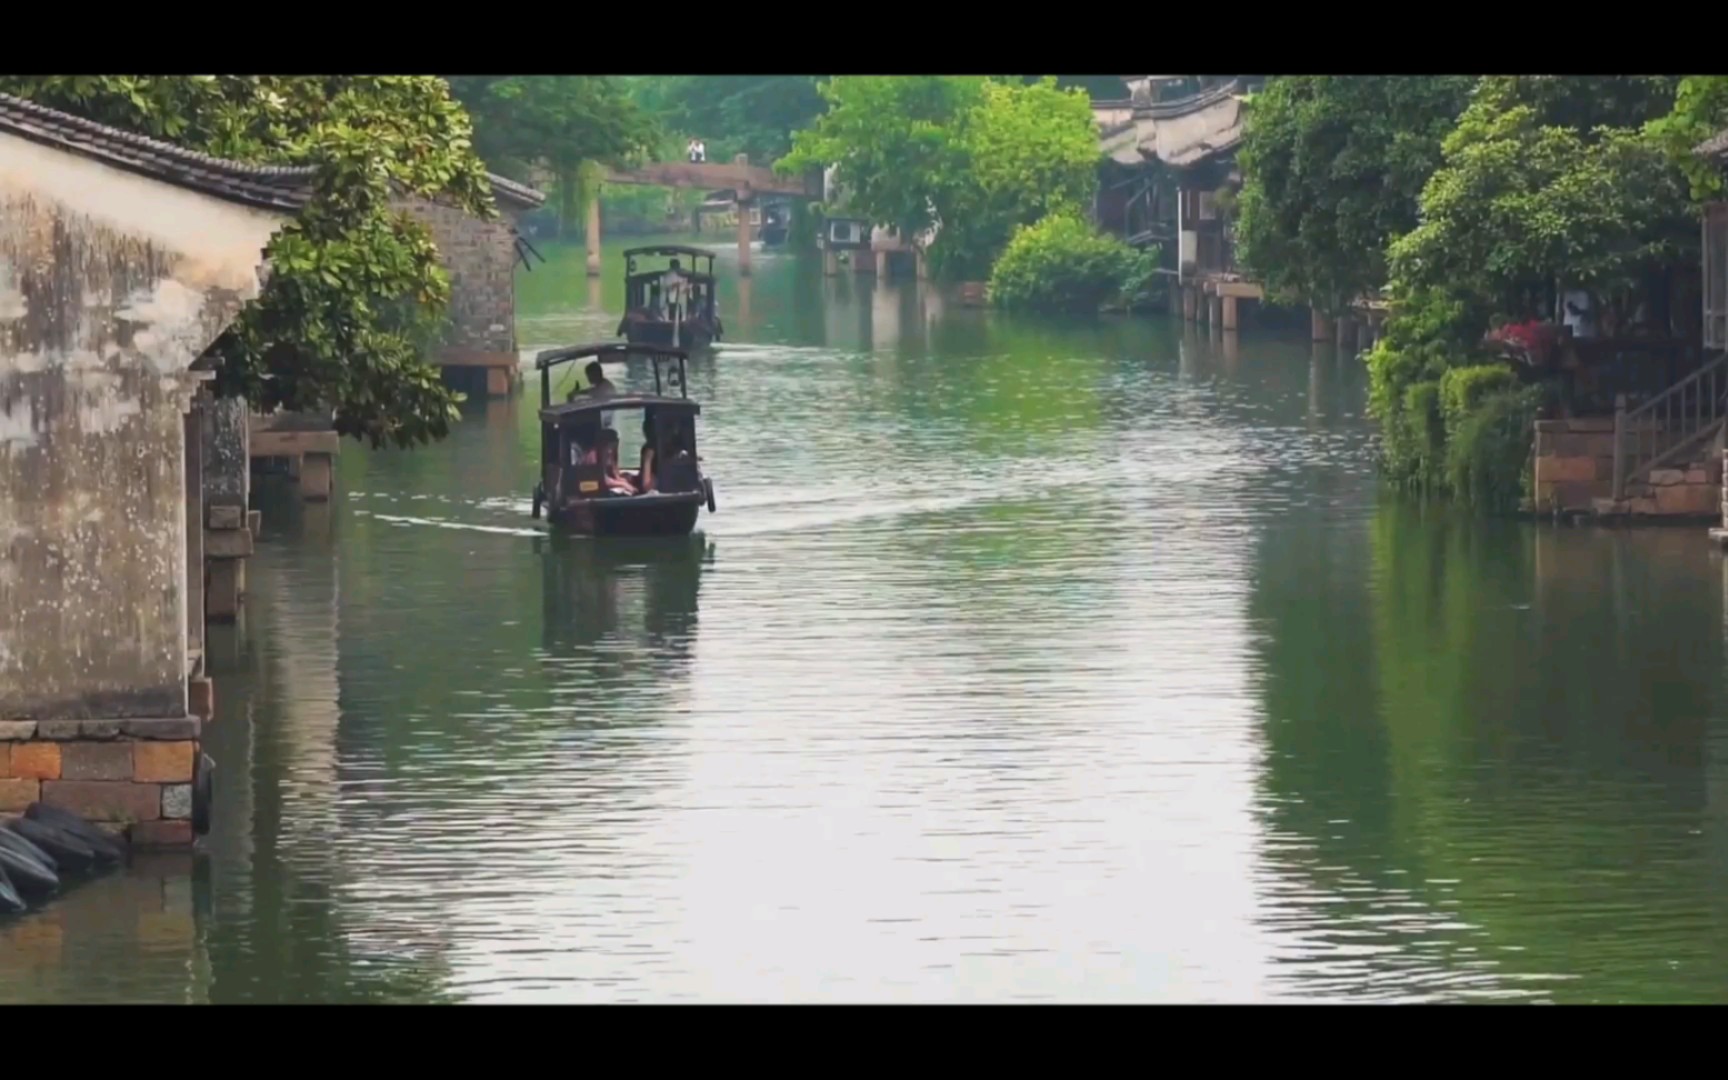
x: 735, y: 114
x: 894, y: 140
x: 1031, y: 151
x: 1521, y: 203
x: 978, y: 157
x: 1545, y: 181
x: 1107, y: 87
x: 355, y: 290
x: 1700, y: 112
x: 568, y: 125
x: 1332, y: 168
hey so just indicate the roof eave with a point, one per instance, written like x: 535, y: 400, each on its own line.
x: 281, y: 188
x: 507, y: 190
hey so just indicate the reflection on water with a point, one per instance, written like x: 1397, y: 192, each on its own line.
x: 134, y: 936
x: 1025, y: 659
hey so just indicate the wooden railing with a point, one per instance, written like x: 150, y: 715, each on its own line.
x: 1669, y: 424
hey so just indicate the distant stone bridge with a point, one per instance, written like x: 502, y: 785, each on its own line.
x: 738, y: 176
x: 746, y: 182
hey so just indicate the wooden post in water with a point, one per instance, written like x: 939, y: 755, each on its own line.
x: 1346, y: 333
x: 1320, y: 326
x: 742, y: 203
x: 743, y: 238
x: 594, y: 235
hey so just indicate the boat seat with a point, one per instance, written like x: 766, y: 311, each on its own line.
x: 678, y: 474
x: 585, y: 481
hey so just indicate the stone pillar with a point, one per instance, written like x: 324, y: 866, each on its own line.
x: 1229, y: 312
x: 830, y: 262
x: 1320, y: 326
x: 594, y: 235
x: 192, y: 465
x: 1190, y: 304
x: 922, y: 263
x: 1725, y: 489
x: 742, y: 203
x: 498, y: 382
x: 227, y: 485
x: 1215, y: 311
x: 1346, y: 333
x: 317, y: 476
x: 227, y: 546
x: 744, y: 237
x: 882, y: 265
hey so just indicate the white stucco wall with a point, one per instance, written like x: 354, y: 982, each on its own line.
x: 111, y: 286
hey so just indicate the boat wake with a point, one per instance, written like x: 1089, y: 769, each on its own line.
x: 497, y: 530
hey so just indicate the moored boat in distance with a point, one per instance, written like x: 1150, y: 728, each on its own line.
x: 582, y: 488
x: 775, y: 226
x: 672, y: 305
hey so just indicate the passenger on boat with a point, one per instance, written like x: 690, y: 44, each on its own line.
x: 645, y: 462
x: 605, y: 455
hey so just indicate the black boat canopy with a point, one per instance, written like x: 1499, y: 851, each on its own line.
x: 605, y: 350
x: 623, y: 403
x: 670, y: 249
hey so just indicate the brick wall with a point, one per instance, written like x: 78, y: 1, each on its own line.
x: 133, y: 776
x: 1575, y: 467
x: 480, y: 257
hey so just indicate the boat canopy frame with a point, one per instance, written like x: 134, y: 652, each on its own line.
x: 670, y: 251
x: 639, y: 285
x: 617, y: 350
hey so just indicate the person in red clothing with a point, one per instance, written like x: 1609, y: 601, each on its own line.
x: 605, y: 455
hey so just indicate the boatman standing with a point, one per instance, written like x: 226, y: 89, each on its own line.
x: 674, y: 290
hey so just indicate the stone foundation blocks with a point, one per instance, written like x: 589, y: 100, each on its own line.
x: 134, y: 775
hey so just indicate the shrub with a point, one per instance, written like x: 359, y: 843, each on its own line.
x: 1462, y: 389
x: 1412, y: 388
x: 1415, y: 437
x: 1063, y: 264
x: 1142, y: 284
x: 1488, y: 448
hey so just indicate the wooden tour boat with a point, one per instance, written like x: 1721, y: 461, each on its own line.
x: 673, y: 304
x: 578, y: 487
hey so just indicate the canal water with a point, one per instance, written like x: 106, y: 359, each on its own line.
x: 1024, y: 660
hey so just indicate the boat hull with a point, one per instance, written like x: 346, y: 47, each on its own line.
x: 692, y: 334
x: 638, y: 515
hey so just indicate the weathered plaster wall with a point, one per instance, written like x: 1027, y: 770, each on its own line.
x: 111, y: 285
x: 480, y: 257
x: 227, y: 476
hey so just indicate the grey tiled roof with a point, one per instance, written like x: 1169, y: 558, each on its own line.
x: 276, y: 187
x: 520, y: 194
x: 280, y: 187
x: 1716, y: 146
